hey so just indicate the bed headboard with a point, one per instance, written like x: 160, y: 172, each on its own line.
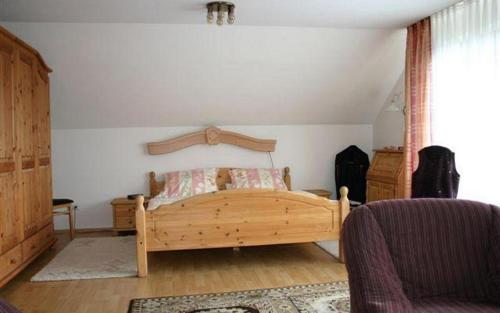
x: 223, y: 178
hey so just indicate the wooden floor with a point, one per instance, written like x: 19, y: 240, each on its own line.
x: 175, y: 273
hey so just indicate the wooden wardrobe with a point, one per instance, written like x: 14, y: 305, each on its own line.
x: 26, y: 228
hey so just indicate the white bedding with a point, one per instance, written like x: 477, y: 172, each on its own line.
x: 161, y: 199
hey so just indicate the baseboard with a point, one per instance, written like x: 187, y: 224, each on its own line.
x: 85, y: 230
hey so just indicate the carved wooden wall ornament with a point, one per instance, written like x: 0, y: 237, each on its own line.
x: 211, y: 136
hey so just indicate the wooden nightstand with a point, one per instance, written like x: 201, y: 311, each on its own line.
x: 124, y: 214
x: 320, y: 192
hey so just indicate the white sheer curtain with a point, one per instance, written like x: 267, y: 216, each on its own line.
x: 466, y: 93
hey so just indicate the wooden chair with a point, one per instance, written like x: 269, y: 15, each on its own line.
x: 65, y: 207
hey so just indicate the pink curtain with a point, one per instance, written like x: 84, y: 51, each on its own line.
x: 418, y: 87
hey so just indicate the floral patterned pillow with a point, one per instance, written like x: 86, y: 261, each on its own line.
x: 184, y: 184
x: 257, y: 178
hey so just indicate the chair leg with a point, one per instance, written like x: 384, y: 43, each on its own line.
x: 71, y: 222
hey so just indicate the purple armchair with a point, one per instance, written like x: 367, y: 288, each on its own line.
x: 425, y: 255
x: 7, y: 308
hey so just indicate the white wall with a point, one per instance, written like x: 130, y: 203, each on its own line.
x: 157, y: 75
x: 388, y: 128
x: 93, y: 166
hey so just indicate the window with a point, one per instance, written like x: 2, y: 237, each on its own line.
x: 466, y: 94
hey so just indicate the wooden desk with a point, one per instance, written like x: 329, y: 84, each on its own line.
x: 385, y: 177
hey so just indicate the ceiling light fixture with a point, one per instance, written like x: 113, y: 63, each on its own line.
x: 221, y: 8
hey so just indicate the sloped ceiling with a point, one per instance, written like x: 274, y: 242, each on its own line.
x: 135, y: 75
x: 284, y: 62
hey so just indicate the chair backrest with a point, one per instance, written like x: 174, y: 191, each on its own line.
x: 439, y: 247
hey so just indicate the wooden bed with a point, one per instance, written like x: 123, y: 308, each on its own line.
x: 236, y: 218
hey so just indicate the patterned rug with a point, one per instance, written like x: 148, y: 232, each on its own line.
x: 323, y: 298
x: 90, y: 258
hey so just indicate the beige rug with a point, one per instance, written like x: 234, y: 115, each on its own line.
x: 90, y: 258
x: 322, y: 298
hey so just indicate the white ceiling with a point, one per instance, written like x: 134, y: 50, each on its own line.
x: 301, y: 13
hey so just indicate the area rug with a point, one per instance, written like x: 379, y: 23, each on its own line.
x: 322, y: 298
x: 90, y: 258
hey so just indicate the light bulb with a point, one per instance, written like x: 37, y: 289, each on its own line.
x: 220, y: 17
x: 210, y: 13
x: 230, y: 15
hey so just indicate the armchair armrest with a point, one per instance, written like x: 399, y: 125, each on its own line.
x: 375, y: 286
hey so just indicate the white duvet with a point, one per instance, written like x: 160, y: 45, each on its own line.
x: 163, y: 199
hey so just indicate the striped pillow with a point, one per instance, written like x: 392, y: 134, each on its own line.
x: 184, y: 184
x: 257, y: 178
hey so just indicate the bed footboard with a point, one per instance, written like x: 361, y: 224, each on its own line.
x: 238, y: 218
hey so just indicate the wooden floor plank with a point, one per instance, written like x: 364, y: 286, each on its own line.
x: 175, y: 273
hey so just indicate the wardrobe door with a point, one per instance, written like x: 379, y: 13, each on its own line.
x: 11, y: 227
x: 41, y: 97
x: 27, y: 127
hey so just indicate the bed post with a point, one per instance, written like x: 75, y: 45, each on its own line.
x: 287, y: 179
x: 140, y: 225
x: 153, y: 186
x: 344, y: 210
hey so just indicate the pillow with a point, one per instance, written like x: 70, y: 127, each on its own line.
x: 184, y: 184
x: 257, y: 178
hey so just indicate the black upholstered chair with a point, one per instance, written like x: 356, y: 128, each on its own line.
x: 423, y: 255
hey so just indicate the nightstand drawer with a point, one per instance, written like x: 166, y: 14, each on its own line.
x: 125, y: 211
x: 124, y: 222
